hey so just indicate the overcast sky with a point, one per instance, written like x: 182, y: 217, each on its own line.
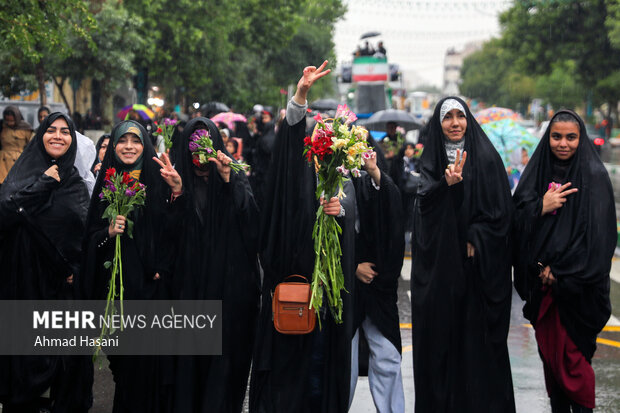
x: 417, y: 34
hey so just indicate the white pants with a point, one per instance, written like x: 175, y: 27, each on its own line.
x: 384, y: 376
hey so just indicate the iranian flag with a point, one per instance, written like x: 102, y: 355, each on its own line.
x: 370, y: 69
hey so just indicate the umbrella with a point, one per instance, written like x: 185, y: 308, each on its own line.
x: 402, y: 118
x: 229, y: 118
x: 213, y: 108
x: 144, y: 112
x: 370, y: 34
x: 494, y: 114
x: 324, y: 104
x: 508, y: 136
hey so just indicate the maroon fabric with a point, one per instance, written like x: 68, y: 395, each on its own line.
x: 565, y: 366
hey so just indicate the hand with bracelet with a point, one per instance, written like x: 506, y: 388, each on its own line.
x: 170, y: 175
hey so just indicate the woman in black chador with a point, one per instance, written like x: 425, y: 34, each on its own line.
x: 303, y: 373
x: 217, y: 260
x: 143, y: 383
x: 43, y: 205
x: 565, y: 236
x: 460, y: 283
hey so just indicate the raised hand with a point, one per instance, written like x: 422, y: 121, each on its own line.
x: 310, y: 75
x: 223, y: 165
x: 556, y: 197
x: 169, y: 174
x: 454, y: 172
x: 52, y: 172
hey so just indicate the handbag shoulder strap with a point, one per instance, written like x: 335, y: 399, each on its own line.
x: 298, y: 276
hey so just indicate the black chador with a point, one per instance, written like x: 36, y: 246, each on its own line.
x: 217, y: 260
x: 460, y: 304
x: 41, y: 227
x: 307, y: 373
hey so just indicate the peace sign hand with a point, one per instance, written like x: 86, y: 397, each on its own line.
x: 169, y: 174
x: 310, y: 75
x: 454, y: 172
x: 556, y: 197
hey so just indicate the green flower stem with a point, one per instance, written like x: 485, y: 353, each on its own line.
x: 327, y: 275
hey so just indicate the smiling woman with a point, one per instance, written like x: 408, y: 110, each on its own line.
x: 57, y: 138
x: 43, y: 203
x: 460, y: 280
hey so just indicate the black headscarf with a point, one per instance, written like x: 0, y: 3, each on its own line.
x: 577, y: 242
x: 148, y: 231
x: 60, y: 220
x: 461, y: 305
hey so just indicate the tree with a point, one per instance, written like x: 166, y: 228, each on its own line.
x: 560, y: 87
x: 32, y: 31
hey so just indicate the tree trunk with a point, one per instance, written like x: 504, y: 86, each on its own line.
x: 40, y: 73
x: 60, y: 86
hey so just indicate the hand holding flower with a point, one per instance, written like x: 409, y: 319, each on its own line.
x: 223, y: 165
x: 370, y: 165
x: 117, y: 226
x: 331, y: 207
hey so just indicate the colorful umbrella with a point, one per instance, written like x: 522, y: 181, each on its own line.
x: 507, y: 136
x: 495, y: 114
x: 144, y: 112
x: 229, y: 118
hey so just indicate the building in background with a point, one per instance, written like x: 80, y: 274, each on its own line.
x: 453, y: 62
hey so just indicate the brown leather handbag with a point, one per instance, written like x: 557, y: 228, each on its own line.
x: 291, y: 307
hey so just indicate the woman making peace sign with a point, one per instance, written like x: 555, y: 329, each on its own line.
x: 143, y: 383
x: 460, y: 283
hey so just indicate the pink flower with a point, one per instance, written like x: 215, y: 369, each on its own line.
x: 318, y: 118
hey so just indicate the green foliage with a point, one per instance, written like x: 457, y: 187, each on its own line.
x: 560, y: 51
x: 560, y: 88
x: 237, y: 51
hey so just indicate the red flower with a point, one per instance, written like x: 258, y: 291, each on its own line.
x: 196, y: 161
x: 159, y: 130
x: 109, y: 173
x: 126, y: 178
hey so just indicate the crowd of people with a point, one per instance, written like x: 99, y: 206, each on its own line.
x: 207, y: 232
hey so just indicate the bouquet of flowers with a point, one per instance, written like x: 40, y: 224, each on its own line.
x: 201, y: 147
x: 123, y: 195
x: 166, y: 129
x: 335, y: 149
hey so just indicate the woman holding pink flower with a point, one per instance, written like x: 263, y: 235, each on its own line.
x: 217, y: 261
x: 146, y: 241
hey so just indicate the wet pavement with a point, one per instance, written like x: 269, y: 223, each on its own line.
x: 527, y: 370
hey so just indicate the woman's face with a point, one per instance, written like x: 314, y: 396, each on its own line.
x: 230, y: 147
x: 9, y: 120
x: 564, y: 139
x: 103, y: 148
x: 129, y: 148
x: 42, y: 115
x: 57, y: 138
x: 454, y: 125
